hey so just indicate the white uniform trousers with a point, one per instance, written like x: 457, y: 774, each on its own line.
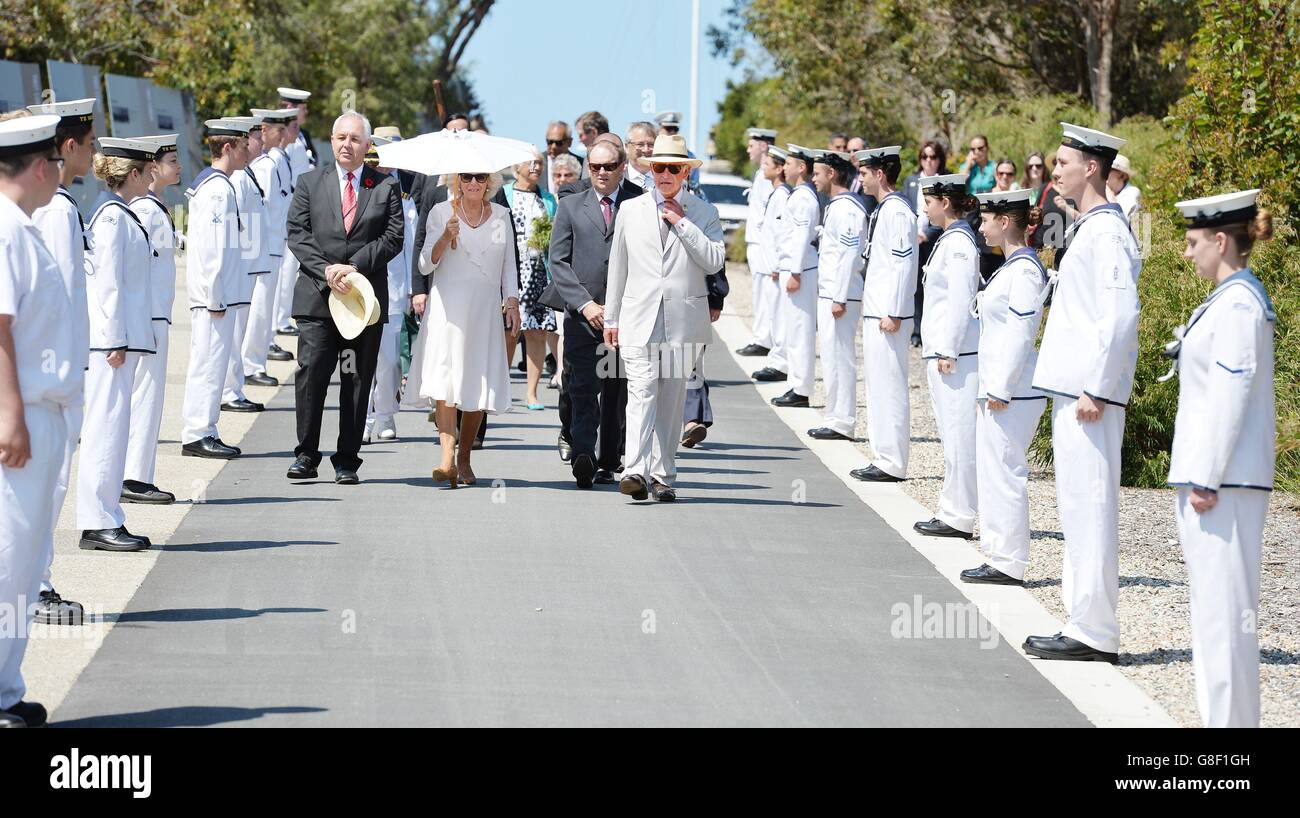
x: 147, y: 408
x: 835, y: 337
x: 234, y: 381
x: 1087, y: 493
x: 27, y: 514
x: 104, y: 437
x: 260, y: 332
x: 288, y: 276
x: 72, y: 416
x: 777, y: 357
x: 210, y: 337
x: 388, y: 377
x: 953, y: 399
x: 657, y: 377
x: 889, y: 405
x: 1002, y: 475
x: 760, y: 301
x: 801, y: 335
x: 1221, y: 548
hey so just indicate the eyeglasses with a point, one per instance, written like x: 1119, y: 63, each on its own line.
x: 1006, y: 173
x: 473, y: 177
x: 1032, y: 165
x: 608, y: 167
x: 648, y: 145
x: 929, y: 156
x: 661, y: 168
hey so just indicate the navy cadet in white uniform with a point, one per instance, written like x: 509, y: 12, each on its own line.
x: 214, y: 271
x: 950, y: 346
x: 797, y: 265
x: 151, y: 374
x: 39, y: 388
x: 1010, y: 310
x: 64, y: 233
x: 1223, y: 453
x: 888, y: 298
x: 301, y: 156
x: 256, y: 257
x: 773, y: 233
x: 279, y: 298
x: 274, y: 178
x: 764, y: 292
x: 1086, y: 363
x: 119, y: 291
x: 839, y: 296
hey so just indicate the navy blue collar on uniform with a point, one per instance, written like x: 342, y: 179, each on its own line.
x: 1247, y: 276
x: 898, y: 194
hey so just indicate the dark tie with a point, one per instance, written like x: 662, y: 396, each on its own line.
x: 607, y: 208
x: 349, y: 204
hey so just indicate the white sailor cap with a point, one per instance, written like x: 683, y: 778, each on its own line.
x: 134, y: 148
x: 72, y: 112
x: 1087, y: 140
x: 778, y: 154
x: 875, y: 157
x: 835, y: 159
x: 807, y: 155
x: 254, y: 123
x: 1002, y: 201
x: 672, y: 119
x: 766, y: 134
x: 948, y: 184
x: 275, y: 116
x: 166, y: 143
x: 292, y: 94
x: 1214, y: 211
x: 227, y: 126
x: 27, y: 134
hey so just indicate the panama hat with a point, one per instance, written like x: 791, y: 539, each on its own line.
x: 355, y: 310
x: 670, y: 149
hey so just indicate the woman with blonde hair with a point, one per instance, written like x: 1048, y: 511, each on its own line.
x: 121, y: 330
x: 529, y: 203
x: 459, y: 357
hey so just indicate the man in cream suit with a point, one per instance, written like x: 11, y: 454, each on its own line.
x: 665, y: 246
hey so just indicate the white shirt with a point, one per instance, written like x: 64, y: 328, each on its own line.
x: 952, y: 278
x: 61, y: 228
x: 757, y: 197
x: 343, y: 182
x: 890, y: 286
x: 157, y: 220
x: 839, y: 253
x: 1010, y: 309
x: 801, y: 218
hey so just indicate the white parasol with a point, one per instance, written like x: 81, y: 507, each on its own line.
x: 444, y: 152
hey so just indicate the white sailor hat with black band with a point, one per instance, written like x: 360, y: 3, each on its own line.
x: 806, y: 155
x: 948, y: 184
x: 28, y: 134
x: 134, y: 148
x: 765, y: 134
x: 1005, y: 201
x: 673, y: 119
x: 293, y: 95
x: 274, y: 116
x: 778, y: 154
x: 72, y: 112
x: 254, y: 123
x: 1216, y: 211
x: 1087, y: 140
x: 166, y: 143
x: 227, y: 126
x: 834, y: 159
x: 876, y: 157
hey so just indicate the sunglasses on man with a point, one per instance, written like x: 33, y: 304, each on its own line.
x: 670, y: 169
x: 557, y: 141
x: 608, y: 167
x: 465, y: 178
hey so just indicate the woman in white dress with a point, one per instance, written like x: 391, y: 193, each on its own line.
x: 459, y: 360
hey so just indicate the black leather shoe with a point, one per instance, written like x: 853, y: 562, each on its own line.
x: 548, y: 367
x: 346, y: 477
x: 566, y: 449
x: 790, y: 399
x: 112, y: 539
x: 302, y: 469
x: 10, y: 720
x: 136, y: 491
x: 633, y: 485
x: 238, y: 451
x: 604, y: 477
x: 242, y: 405
x: 988, y: 575
x: 291, y: 331
x: 823, y: 433
x: 752, y: 350
x: 32, y: 714
x: 584, y: 469
x: 694, y: 434
x: 662, y: 492
x: 871, y: 474
x: 275, y: 353
x: 209, y: 447
x: 1063, y: 647
x: 53, y: 609
x: 916, y: 340
x: 769, y: 375
x: 934, y: 527
x: 262, y: 379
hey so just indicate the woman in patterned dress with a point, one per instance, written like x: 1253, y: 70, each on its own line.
x: 528, y: 203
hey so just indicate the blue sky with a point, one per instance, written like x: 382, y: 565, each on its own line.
x: 534, y: 61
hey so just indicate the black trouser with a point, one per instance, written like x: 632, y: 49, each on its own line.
x: 320, y: 349
x: 597, y: 396
x: 698, y: 408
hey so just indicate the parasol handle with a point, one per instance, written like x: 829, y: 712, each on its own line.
x: 451, y: 197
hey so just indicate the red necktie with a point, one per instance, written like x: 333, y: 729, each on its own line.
x: 606, y: 205
x: 349, y: 204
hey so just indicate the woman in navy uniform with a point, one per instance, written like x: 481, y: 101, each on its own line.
x: 1222, y: 459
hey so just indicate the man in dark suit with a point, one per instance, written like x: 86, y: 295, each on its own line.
x: 580, y: 244
x: 344, y: 218
x: 698, y: 415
